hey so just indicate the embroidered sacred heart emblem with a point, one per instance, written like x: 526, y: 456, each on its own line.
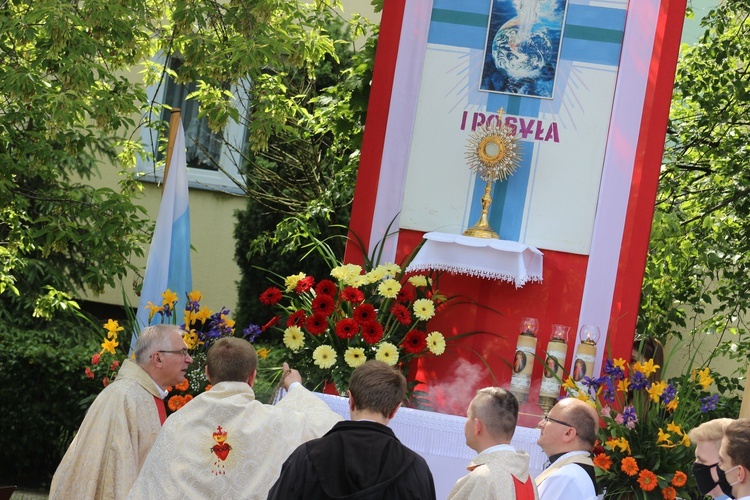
x: 221, y: 450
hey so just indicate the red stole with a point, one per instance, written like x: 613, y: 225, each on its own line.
x: 161, y: 409
x: 524, y: 491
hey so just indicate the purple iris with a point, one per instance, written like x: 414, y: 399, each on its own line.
x: 709, y: 403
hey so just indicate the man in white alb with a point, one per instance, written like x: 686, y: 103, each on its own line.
x: 567, y: 438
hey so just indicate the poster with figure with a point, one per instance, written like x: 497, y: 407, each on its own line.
x: 523, y: 47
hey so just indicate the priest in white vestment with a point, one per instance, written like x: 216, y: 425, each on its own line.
x: 224, y: 443
x: 498, y: 471
x: 118, y: 430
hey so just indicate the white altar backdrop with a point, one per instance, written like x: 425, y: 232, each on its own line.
x: 439, y: 438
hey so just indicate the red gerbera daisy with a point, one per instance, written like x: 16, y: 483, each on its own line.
x: 271, y: 296
x: 347, y: 328
x: 401, y: 313
x: 304, y: 284
x: 323, y: 304
x: 326, y: 287
x: 372, y: 332
x: 270, y: 323
x: 415, y: 342
x: 364, y: 313
x: 317, y: 324
x: 353, y: 295
x: 406, y: 294
x: 297, y: 319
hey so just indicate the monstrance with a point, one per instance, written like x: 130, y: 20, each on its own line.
x: 493, y: 154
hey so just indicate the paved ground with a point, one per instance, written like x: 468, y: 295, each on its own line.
x: 28, y: 495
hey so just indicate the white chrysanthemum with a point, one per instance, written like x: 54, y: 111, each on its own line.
x: 392, y: 269
x: 424, y: 309
x: 389, y: 288
x: 387, y: 353
x: 418, y: 280
x: 346, y: 272
x: 291, y: 281
x: 294, y: 339
x: 324, y: 356
x: 436, y: 343
x: 355, y: 356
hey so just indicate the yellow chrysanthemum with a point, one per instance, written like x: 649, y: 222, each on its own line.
x: 324, y: 356
x: 646, y: 368
x: 112, y: 328
x: 375, y: 275
x: 168, y: 298
x: 436, y: 343
x: 424, y: 309
x: 263, y: 352
x: 294, y: 338
x: 346, y: 273
x: 387, y: 353
x: 109, y: 345
x: 389, y: 288
x: 392, y: 269
x: 355, y: 356
x: 291, y: 281
x: 656, y: 390
x: 195, y: 296
x: 418, y: 280
x: 152, y: 310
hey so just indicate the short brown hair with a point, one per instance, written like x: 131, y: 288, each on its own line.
x: 713, y: 430
x: 231, y: 359
x: 737, y: 442
x: 498, y: 411
x: 376, y: 386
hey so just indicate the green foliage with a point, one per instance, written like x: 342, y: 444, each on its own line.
x: 64, y: 102
x: 301, y: 186
x: 698, y: 267
x: 42, y: 385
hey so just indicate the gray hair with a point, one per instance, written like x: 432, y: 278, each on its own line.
x: 152, y: 339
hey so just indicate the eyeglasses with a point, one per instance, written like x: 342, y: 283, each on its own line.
x: 550, y: 419
x: 183, y: 351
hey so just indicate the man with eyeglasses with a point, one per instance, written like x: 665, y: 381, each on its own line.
x: 567, y: 438
x: 225, y: 443
x: 707, y: 439
x: 123, y: 421
x: 734, y: 460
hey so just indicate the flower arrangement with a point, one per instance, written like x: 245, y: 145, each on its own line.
x: 643, y: 450
x: 202, y: 327
x: 329, y: 327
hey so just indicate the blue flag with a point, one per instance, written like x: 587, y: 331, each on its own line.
x: 168, y: 265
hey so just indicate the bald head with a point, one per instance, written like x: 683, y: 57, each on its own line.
x: 571, y: 425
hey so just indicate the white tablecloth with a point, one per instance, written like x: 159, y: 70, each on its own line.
x: 439, y: 438
x: 483, y: 257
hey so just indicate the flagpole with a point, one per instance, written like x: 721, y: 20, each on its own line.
x: 174, y: 120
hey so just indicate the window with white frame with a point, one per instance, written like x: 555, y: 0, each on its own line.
x: 204, y: 149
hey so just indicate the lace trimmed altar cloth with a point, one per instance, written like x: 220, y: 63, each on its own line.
x: 440, y: 439
x: 488, y: 258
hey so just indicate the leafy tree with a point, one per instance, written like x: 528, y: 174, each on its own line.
x: 301, y: 186
x: 698, y: 269
x: 67, y: 107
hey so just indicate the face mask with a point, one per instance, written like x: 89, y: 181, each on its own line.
x: 703, y: 478
x: 725, y: 486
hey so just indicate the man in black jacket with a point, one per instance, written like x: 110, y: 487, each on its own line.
x: 359, y: 459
